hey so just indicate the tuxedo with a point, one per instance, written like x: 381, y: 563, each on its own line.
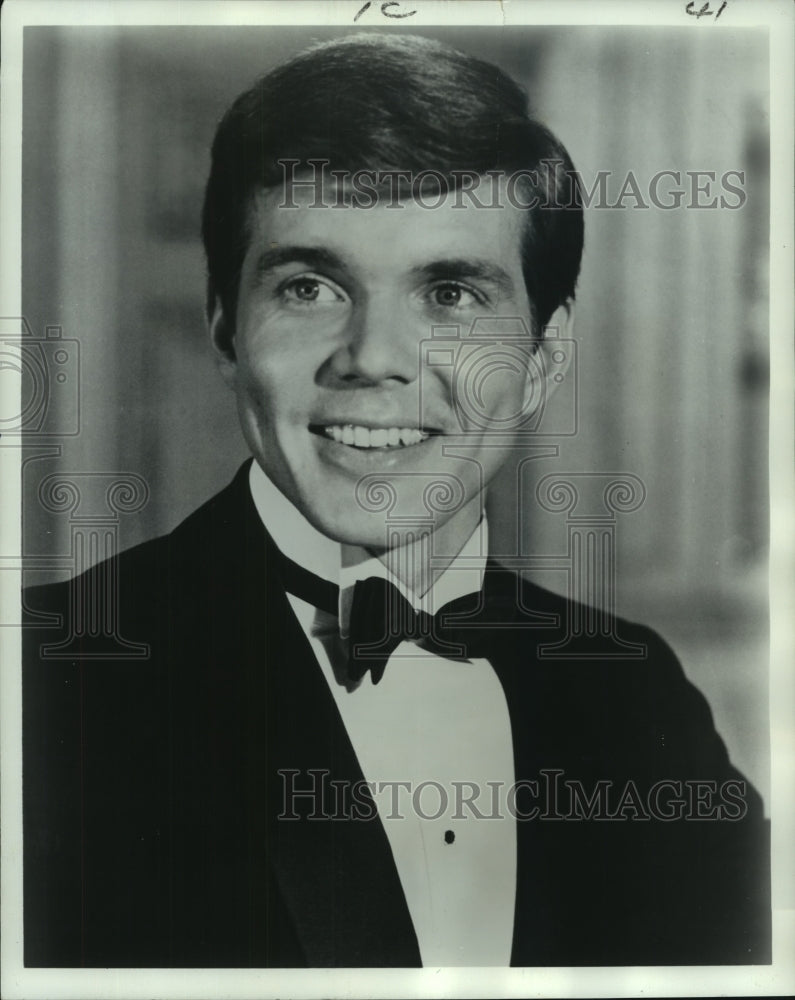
x: 154, y: 829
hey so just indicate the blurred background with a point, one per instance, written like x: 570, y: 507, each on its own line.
x: 672, y: 320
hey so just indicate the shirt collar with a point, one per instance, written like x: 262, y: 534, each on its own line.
x: 343, y: 565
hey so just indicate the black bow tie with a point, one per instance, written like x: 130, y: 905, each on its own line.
x: 382, y: 618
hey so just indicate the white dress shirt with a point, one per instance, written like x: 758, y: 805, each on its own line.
x: 438, y: 725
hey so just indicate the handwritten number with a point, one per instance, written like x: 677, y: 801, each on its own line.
x: 704, y: 10
x: 385, y: 10
x: 366, y: 7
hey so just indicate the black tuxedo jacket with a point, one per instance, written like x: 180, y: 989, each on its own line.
x: 152, y: 786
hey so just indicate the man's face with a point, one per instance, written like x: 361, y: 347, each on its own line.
x: 334, y: 376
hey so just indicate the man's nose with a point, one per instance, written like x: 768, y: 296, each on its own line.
x: 381, y: 343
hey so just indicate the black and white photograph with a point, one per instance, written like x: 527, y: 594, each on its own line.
x: 397, y: 541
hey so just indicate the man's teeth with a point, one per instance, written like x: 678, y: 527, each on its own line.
x: 381, y: 437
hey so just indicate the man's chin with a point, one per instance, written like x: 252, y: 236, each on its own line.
x: 372, y: 532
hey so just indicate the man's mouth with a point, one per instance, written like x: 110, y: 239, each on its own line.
x: 360, y: 436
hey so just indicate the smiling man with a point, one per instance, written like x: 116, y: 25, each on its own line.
x: 354, y: 739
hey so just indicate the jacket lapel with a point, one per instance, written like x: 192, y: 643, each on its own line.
x: 336, y: 876
x: 526, y: 616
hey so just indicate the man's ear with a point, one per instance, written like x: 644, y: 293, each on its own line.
x: 553, y: 356
x: 222, y: 341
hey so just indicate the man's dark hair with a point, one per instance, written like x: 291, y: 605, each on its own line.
x: 392, y: 103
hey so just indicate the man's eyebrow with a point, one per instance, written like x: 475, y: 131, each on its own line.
x: 313, y: 257
x: 465, y: 268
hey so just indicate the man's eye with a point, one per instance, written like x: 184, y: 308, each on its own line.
x: 452, y: 296
x: 309, y: 290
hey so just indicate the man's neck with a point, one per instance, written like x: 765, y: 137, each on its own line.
x: 423, y: 558
x: 415, y: 566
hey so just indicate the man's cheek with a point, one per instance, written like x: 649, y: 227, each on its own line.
x: 260, y: 384
x: 255, y: 406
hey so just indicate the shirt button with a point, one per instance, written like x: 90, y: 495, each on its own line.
x: 449, y: 836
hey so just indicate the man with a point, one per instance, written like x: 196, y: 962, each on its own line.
x: 389, y: 240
